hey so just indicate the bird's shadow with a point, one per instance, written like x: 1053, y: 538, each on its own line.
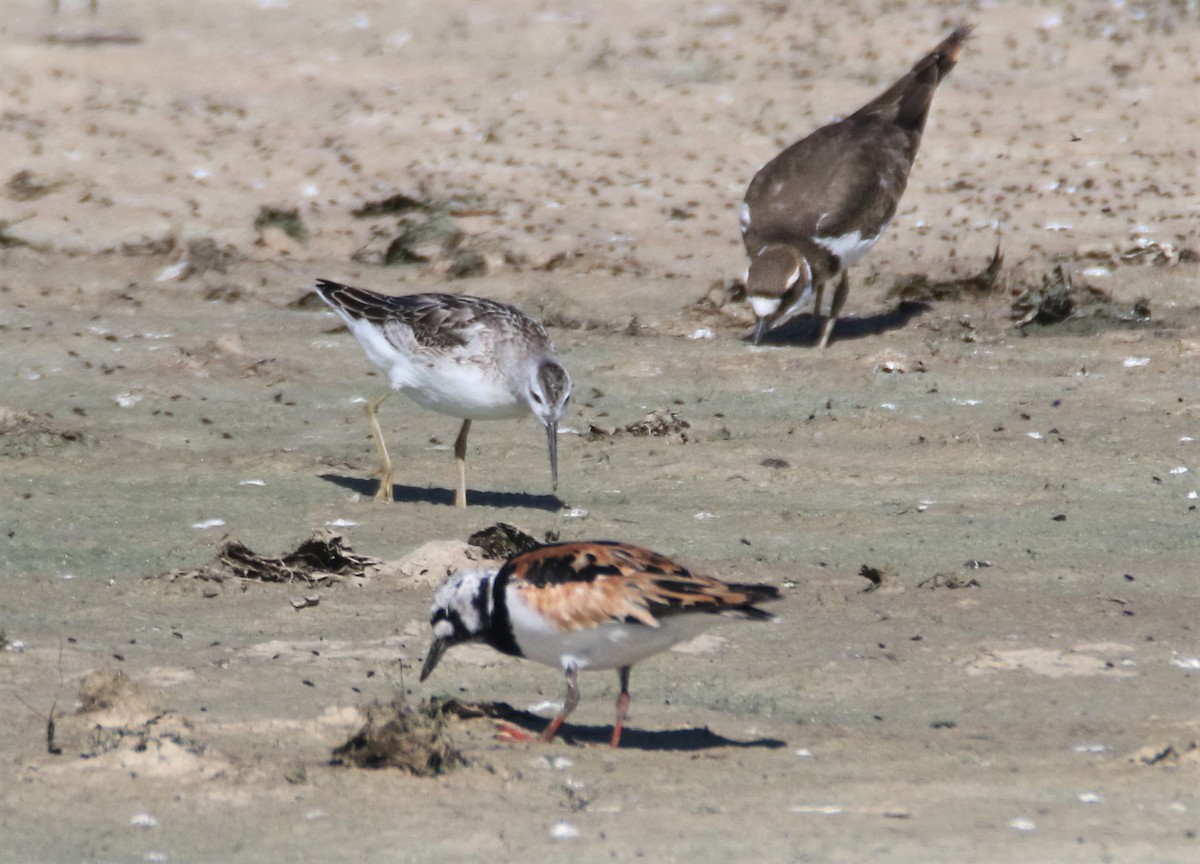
x: 367, y: 486
x: 805, y: 329
x: 668, y: 740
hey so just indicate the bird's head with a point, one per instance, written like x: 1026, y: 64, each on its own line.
x: 460, y: 612
x: 778, y: 281
x: 548, y: 393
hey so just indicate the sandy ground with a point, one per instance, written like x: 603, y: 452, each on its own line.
x: 585, y: 160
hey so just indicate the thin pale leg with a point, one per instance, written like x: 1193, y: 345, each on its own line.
x: 835, y: 308
x: 622, y: 706
x: 384, y: 493
x: 460, y: 460
x: 569, y: 703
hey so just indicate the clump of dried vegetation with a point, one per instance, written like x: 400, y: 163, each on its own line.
x: 396, y: 735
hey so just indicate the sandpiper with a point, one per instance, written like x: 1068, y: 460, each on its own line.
x: 816, y: 208
x: 585, y: 605
x: 463, y: 356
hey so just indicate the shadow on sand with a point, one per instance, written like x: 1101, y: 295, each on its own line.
x: 670, y: 740
x: 401, y: 494
x: 805, y: 329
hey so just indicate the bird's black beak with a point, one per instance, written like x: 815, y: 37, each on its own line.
x: 552, y: 440
x: 436, y: 649
x: 760, y: 330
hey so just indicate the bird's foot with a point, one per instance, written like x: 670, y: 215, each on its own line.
x: 511, y: 734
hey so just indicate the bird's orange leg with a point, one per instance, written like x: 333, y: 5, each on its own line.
x: 622, y: 706
x: 569, y: 703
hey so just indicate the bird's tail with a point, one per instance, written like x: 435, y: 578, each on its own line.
x: 753, y: 594
x: 910, y: 97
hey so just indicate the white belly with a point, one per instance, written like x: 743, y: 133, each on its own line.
x: 850, y: 247
x: 461, y: 390
x: 469, y: 390
x: 608, y: 646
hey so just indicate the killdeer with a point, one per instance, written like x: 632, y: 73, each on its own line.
x: 463, y: 356
x: 581, y: 606
x: 816, y: 208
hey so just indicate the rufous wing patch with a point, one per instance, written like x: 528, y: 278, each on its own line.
x: 583, y: 605
x: 584, y: 585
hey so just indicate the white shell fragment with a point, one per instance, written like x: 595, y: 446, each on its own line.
x: 564, y: 830
x: 209, y: 523
x: 172, y: 271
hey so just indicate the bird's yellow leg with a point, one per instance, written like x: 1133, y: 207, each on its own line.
x: 384, y: 492
x: 460, y: 460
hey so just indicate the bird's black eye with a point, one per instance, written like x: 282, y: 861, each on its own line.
x: 537, y: 398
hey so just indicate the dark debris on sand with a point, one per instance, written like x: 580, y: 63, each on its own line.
x: 26, y: 433
x: 324, y: 557
x: 881, y: 578
x: 1058, y: 299
x: 502, y: 540
x: 425, y: 233
x: 415, y: 740
x: 920, y: 288
x: 657, y: 424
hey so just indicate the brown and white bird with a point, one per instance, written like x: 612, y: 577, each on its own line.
x: 816, y: 208
x: 583, y: 606
x: 463, y: 356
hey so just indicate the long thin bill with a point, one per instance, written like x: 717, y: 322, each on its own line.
x: 760, y: 329
x: 552, y: 440
x: 436, y: 649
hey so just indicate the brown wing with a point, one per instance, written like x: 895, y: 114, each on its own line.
x: 828, y: 183
x: 439, y: 321
x: 583, y: 585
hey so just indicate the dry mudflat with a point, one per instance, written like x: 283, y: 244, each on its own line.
x: 1024, y: 684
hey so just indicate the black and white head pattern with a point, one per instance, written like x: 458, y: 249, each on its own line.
x: 462, y: 606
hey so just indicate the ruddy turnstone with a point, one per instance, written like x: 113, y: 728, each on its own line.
x: 582, y: 606
x: 463, y: 356
x: 817, y: 207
